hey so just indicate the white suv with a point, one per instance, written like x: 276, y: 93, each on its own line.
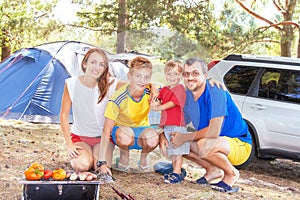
x: 267, y: 92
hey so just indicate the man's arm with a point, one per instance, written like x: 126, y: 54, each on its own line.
x: 219, y: 84
x: 177, y: 139
x: 209, y: 133
x: 214, y: 127
x: 213, y: 132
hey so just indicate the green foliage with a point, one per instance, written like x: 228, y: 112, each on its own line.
x: 237, y: 32
x: 101, y: 16
x: 186, y: 19
x: 25, y: 22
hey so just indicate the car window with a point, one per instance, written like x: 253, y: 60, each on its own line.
x: 238, y: 80
x: 281, y: 85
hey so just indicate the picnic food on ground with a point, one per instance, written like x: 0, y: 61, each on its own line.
x: 34, y: 172
x: 59, y: 174
x: 68, y: 174
x: 74, y: 176
x: 83, y: 176
x: 90, y: 176
x: 47, y: 174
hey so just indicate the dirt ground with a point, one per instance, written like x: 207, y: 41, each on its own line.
x: 23, y: 143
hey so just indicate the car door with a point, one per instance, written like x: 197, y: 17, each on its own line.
x: 274, y: 110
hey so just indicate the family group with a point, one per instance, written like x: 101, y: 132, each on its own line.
x: 109, y: 112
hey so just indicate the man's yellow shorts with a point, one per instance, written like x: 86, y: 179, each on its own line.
x: 239, y: 151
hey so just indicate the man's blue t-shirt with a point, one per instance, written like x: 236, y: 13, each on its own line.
x: 215, y: 102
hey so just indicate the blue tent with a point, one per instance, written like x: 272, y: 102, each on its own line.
x: 32, y: 79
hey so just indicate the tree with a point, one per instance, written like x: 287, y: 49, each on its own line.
x: 121, y: 30
x: 24, y: 22
x: 283, y: 22
x: 119, y: 16
x: 236, y: 32
x: 136, y: 18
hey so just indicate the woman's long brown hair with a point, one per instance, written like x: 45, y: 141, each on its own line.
x: 103, y: 83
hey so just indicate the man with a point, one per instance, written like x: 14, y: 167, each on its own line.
x: 126, y: 119
x: 221, y: 139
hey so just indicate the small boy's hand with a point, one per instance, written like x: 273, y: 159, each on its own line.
x: 155, y: 105
x: 154, y: 93
x: 176, y: 139
x: 163, y: 145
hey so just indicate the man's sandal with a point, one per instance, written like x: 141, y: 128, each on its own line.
x: 173, y: 178
x: 201, y: 181
x: 224, y: 187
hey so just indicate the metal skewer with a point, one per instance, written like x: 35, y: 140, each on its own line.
x: 110, y: 180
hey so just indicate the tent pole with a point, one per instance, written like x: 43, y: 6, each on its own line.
x: 25, y: 109
x: 26, y: 89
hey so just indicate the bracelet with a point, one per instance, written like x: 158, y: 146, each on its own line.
x: 100, y: 163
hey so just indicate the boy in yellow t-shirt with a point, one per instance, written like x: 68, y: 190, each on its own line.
x: 127, y: 119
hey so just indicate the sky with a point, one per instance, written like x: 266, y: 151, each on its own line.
x: 66, y: 11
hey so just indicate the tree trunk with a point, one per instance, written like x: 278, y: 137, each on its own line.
x: 287, y: 35
x: 287, y: 38
x: 5, y: 48
x: 298, y: 49
x: 5, y: 52
x: 121, y: 30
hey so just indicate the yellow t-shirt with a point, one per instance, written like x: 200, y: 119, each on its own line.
x: 125, y: 111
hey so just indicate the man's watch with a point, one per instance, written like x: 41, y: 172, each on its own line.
x: 101, y: 162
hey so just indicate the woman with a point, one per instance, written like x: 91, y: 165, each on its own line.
x: 87, y: 95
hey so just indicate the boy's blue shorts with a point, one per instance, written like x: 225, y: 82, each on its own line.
x: 137, y: 132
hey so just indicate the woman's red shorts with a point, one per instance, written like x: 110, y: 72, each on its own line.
x: 92, y: 141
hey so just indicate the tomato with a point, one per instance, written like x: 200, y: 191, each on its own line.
x: 34, y: 172
x: 59, y: 174
x: 47, y: 174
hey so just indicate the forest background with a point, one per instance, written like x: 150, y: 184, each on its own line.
x: 169, y: 29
